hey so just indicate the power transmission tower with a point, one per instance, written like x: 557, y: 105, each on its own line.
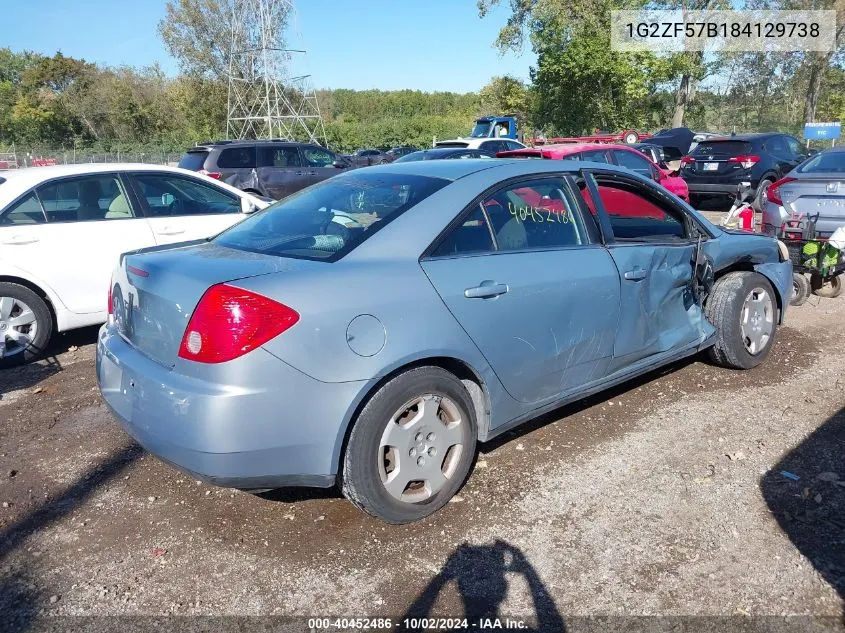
x: 266, y: 98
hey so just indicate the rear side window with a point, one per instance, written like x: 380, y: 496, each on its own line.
x: 535, y: 214
x: 280, y: 157
x: 25, y: 211
x: 328, y: 220
x: 88, y: 198
x: 722, y: 148
x: 636, y: 216
x: 237, y: 158
x: 596, y: 156
x: 472, y: 236
x: 193, y: 160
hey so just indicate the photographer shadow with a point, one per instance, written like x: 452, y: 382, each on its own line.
x: 480, y: 576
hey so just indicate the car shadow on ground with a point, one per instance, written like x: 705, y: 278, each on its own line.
x: 20, y: 602
x: 585, y: 403
x: 480, y: 574
x: 29, y: 375
x: 805, y: 491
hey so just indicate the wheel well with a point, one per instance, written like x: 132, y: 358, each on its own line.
x: 749, y: 268
x: 36, y: 289
x: 470, y: 379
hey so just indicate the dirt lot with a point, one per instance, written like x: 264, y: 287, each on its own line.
x: 664, y: 497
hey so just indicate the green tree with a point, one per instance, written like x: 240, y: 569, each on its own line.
x: 198, y: 33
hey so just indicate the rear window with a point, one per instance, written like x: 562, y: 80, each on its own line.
x: 453, y: 144
x: 328, y: 220
x: 824, y: 162
x: 723, y: 148
x: 193, y: 160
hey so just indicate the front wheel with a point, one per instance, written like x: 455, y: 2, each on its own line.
x: 630, y: 138
x: 411, y: 447
x: 743, y: 308
x: 26, y: 325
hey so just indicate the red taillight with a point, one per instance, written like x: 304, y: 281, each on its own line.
x: 746, y: 161
x: 687, y: 160
x: 111, y: 288
x: 229, y: 322
x: 137, y: 271
x: 211, y: 174
x: 772, y: 192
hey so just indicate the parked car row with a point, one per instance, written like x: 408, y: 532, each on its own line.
x: 63, y: 228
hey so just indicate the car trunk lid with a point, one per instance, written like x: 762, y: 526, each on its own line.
x: 155, y: 291
x: 822, y: 194
x: 719, y: 158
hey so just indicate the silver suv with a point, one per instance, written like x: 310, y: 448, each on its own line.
x: 272, y: 168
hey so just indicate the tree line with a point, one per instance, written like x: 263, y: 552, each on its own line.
x: 577, y: 84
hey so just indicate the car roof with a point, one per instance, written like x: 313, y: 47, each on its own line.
x: 205, y: 146
x: 19, y: 180
x: 745, y: 137
x: 456, y: 169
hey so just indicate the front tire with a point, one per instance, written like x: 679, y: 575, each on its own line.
x: 411, y: 447
x: 26, y: 325
x: 743, y: 308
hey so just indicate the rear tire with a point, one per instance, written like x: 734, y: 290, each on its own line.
x: 829, y: 288
x: 418, y: 428
x: 800, y: 289
x: 743, y: 308
x: 26, y: 325
x: 761, y: 191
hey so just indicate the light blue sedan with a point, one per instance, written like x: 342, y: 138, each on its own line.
x: 369, y: 330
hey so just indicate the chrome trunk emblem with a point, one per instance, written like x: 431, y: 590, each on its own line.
x: 832, y: 187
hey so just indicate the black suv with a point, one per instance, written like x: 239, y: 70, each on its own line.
x: 272, y: 168
x: 716, y: 166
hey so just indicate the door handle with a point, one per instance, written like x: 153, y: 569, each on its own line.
x: 18, y: 240
x: 486, y: 290
x: 635, y: 275
x: 170, y: 230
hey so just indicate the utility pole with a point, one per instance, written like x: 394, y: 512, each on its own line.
x: 266, y: 98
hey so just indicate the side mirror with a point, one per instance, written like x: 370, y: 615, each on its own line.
x: 339, y: 164
x: 248, y: 206
x: 656, y: 174
x: 812, y: 152
x: 167, y: 199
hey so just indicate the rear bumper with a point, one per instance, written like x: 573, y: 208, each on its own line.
x: 277, y: 427
x: 720, y: 189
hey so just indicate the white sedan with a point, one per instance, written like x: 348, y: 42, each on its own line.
x: 63, y: 228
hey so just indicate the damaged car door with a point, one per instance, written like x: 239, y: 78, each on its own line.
x: 281, y: 170
x: 655, y: 251
x: 525, y: 274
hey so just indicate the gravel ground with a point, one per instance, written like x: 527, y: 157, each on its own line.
x: 663, y: 497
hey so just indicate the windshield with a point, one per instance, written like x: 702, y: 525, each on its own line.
x: 824, y: 162
x: 409, y: 158
x: 328, y: 220
x: 481, y: 129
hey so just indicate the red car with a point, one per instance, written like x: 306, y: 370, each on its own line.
x: 621, y: 155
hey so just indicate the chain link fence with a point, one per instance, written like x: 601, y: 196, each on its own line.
x: 19, y: 159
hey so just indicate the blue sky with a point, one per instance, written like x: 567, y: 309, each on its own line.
x: 386, y: 44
